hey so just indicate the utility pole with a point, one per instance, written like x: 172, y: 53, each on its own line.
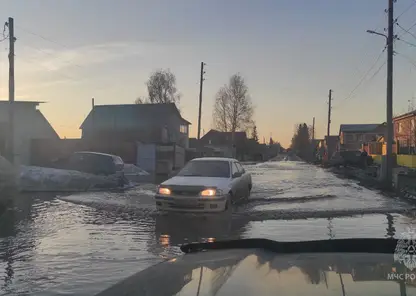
x: 200, y: 98
x: 390, y: 51
x: 387, y: 176
x: 313, y: 129
x: 329, y: 113
x: 10, y: 146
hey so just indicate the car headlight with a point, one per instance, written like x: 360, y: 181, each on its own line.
x: 164, y: 191
x: 211, y: 192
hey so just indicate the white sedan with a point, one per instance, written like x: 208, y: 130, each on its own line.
x: 208, y: 184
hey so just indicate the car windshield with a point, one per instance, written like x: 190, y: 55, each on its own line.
x: 210, y: 168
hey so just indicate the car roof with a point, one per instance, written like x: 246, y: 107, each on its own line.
x: 214, y: 159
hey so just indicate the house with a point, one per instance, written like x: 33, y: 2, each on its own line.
x: 405, y: 132
x: 29, y: 124
x: 352, y: 136
x: 331, y: 145
x: 230, y: 144
x: 146, y: 123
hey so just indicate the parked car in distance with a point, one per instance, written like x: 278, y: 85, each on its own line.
x: 209, y: 184
x: 94, y: 163
x: 353, y: 158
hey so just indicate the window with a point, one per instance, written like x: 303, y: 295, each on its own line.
x: 234, y: 168
x: 349, y: 138
x: 206, y: 168
x: 413, y: 124
x: 240, y: 167
x: 400, y: 127
x: 183, y: 129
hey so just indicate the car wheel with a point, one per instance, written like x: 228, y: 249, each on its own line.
x: 247, y: 193
x: 228, y: 203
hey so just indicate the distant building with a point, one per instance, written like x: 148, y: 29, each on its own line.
x: 225, y: 144
x: 352, y: 136
x: 29, y: 124
x: 146, y: 123
x: 405, y: 132
x: 331, y: 145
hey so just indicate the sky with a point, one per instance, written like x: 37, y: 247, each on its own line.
x: 289, y: 52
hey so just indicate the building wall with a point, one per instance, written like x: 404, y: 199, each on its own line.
x: 170, y: 131
x: 176, y: 134
x: 354, y: 141
x: 29, y: 124
x: 405, y: 131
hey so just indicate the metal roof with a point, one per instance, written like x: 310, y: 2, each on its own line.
x: 363, y: 128
x: 132, y: 113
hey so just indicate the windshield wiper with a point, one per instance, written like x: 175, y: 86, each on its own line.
x: 358, y: 245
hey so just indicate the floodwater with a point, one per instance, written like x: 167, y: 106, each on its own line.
x: 81, y: 244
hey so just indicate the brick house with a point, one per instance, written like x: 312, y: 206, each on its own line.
x: 353, y: 136
x: 405, y: 132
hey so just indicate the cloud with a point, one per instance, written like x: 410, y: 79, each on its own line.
x: 83, y: 57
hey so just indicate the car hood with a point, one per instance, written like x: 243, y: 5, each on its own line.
x: 221, y: 183
x: 260, y: 272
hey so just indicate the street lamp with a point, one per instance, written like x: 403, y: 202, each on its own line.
x: 377, y: 33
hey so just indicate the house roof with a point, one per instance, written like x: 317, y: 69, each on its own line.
x: 225, y: 135
x: 408, y: 114
x: 358, y: 128
x: 36, y: 103
x: 149, y: 113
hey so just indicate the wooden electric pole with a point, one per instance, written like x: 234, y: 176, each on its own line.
x: 329, y: 113
x: 313, y: 129
x: 201, y: 83
x: 388, y: 178
x: 10, y: 140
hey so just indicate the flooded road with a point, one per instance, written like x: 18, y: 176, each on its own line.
x: 81, y: 244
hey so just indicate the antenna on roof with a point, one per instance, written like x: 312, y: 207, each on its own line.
x: 92, y: 102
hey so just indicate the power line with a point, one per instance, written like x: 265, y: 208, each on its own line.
x: 4, y: 31
x: 365, y: 75
x: 407, y: 42
x: 48, y: 69
x: 407, y: 9
x: 53, y: 55
x: 410, y: 60
x: 407, y: 31
x: 413, y: 35
x: 42, y: 37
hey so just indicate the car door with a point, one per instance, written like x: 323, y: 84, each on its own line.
x: 235, y: 181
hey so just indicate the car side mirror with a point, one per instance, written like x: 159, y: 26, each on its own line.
x: 236, y: 175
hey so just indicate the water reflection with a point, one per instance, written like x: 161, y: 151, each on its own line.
x: 237, y: 272
x: 15, y: 243
x: 182, y: 228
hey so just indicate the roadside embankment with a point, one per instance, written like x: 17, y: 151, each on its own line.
x: 404, y: 180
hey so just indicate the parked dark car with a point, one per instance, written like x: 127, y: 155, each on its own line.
x: 354, y: 158
x: 93, y: 163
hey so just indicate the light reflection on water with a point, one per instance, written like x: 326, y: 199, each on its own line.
x: 81, y: 244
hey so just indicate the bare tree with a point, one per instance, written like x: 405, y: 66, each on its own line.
x: 221, y: 110
x: 233, y: 109
x: 161, y: 87
x: 140, y: 100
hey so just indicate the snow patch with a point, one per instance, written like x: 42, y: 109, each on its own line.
x: 34, y: 178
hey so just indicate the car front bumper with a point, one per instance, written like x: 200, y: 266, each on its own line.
x: 191, y: 203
